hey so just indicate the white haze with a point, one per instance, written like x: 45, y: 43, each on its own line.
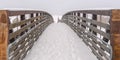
x: 59, y: 7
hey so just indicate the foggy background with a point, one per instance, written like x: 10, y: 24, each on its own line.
x: 59, y: 7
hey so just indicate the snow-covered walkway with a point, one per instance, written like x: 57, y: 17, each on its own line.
x: 59, y: 42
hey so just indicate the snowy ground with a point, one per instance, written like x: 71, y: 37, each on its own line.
x: 59, y: 42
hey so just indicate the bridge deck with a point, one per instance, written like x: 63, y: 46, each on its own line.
x: 59, y: 42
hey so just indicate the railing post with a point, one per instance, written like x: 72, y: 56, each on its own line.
x: 32, y: 15
x: 3, y: 35
x: 115, y: 34
x: 84, y: 15
x: 94, y: 17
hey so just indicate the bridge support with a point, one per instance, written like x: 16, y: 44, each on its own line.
x: 115, y: 34
x: 3, y: 35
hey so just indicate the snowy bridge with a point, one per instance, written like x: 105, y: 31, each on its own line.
x: 79, y: 35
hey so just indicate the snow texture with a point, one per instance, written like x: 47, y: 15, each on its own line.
x: 60, y: 42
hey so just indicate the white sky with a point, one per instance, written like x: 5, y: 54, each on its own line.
x: 59, y: 7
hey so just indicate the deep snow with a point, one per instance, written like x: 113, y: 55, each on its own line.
x: 60, y: 42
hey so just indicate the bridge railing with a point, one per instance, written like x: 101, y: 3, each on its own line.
x: 100, y: 30
x: 19, y: 30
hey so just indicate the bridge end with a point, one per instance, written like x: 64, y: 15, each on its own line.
x: 3, y: 34
x: 115, y: 34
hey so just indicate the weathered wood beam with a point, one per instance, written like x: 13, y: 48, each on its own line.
x: 115, y: 34
x: 3, y: 34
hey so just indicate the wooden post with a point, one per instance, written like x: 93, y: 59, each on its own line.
x: 84, y: 15
x: 37, y: 16
x: 115, y: 34
x: 94, y: 17
x: 3, y: 35
x: 32, y: 15
x: 22, y: 17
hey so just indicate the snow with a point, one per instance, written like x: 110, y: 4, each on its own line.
x: 56, y: 18
x: 60, y: 42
